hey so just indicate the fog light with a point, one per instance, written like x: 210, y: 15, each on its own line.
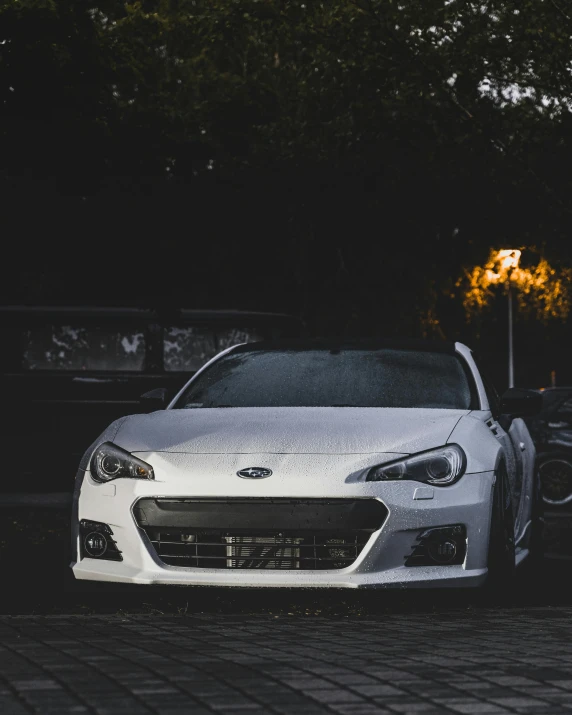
x: 443, y: 552
x: 97, y: 542
x: 439, y: 546
x: 95, y: 545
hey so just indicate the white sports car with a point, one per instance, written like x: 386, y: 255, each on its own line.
x: 315, y: 463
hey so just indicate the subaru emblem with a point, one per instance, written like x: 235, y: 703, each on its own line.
x: 255, y: 473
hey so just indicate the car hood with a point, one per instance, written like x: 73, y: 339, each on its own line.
x: 288, y: 430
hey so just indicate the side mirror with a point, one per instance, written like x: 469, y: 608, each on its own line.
x: 153, y: 400
x: 517, y: 402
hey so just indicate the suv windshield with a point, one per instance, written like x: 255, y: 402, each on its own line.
x: 340, y: 378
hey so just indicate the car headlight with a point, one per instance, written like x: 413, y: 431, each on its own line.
x: 440, y: 467
x: 111, y: 462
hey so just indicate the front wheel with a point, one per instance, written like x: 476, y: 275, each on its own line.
x: 501, y: 564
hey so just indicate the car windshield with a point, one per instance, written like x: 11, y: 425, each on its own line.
x: 337, y: 378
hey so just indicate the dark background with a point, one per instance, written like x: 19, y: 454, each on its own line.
x: 340, y: 161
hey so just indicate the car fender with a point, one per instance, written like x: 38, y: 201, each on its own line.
x: 483, y: 450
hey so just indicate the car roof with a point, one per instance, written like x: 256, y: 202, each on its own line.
x: 183, y: 315
x: 335, y: 344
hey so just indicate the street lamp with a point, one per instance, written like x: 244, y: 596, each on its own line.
x: 540, y: 289
x: 502, y: 269
x: 509, y: 259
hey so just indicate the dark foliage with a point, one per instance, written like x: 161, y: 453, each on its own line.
x: 339, y: 160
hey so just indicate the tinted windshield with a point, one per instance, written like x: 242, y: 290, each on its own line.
x: 321, y: 378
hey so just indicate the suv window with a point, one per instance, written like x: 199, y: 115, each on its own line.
x: 188, y: 348
x: 234, y: 336
x: 80, y: 347
x: 564, y: 412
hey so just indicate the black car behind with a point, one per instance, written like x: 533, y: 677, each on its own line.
x: 551, y: 431
x: 67, y: 372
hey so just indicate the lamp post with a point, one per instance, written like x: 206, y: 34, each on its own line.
x: 542, y: 289
x: 510, y: 346
x: 508, y: 260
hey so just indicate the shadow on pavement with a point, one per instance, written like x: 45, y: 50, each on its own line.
x: 35, y: 556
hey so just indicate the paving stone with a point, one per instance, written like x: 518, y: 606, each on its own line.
x: 360, y: 709
x: 334, y: 695
x: 476, y: 708
x: 519, y: 701
x: 468, y: 663
x: 377, y: 689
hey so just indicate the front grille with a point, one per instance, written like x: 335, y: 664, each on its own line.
x: 295, y: 534
x: 227, y: 550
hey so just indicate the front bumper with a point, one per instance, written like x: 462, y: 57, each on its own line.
x: 412, y: 508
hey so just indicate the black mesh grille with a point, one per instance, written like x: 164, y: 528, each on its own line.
x: 303, y: 534
x: 228, y: 550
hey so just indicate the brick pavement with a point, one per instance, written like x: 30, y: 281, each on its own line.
x: 467, y: 661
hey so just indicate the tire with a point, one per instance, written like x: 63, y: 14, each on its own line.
x: 501, y: 554
x: 555, y: 476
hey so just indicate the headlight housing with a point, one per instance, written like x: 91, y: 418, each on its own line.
x: 440, y: 467
x: 111, y: 462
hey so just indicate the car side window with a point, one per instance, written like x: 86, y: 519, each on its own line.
x: 52, y: 346
x: 188, y: 348
x: 564, y: 412
x: 233, y: 336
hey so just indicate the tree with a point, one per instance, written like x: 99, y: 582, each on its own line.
x: 379, y: 145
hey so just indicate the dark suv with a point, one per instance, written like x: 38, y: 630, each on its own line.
x: 68, y: 372
x: 551, y: 431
